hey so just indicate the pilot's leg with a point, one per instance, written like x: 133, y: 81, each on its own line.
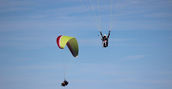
x: 104, y: 44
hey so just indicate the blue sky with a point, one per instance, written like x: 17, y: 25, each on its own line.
x: 139, y: 55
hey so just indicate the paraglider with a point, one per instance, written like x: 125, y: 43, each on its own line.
x: 102, y: 19
x: 104, y: 39
x: 72, y: 44
x: 64, y: 83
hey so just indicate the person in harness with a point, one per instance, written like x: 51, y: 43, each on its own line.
x: 64, y: 83
x: 104, y: 39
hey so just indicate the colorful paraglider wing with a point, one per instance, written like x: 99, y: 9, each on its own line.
x: 71, y: 43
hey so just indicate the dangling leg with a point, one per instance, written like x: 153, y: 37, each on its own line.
x: 103, y: 43
x: 106, y: 43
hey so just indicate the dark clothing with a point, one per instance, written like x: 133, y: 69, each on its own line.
x: 105, y: 39
x: 64, y: 83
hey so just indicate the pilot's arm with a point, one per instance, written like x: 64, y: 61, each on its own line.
x: 108, y: 34
x: 101, y: 34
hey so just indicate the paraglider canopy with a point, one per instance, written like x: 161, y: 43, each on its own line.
x: 71, y: 43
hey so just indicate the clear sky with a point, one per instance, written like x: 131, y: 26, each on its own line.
x: 139, y: 55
